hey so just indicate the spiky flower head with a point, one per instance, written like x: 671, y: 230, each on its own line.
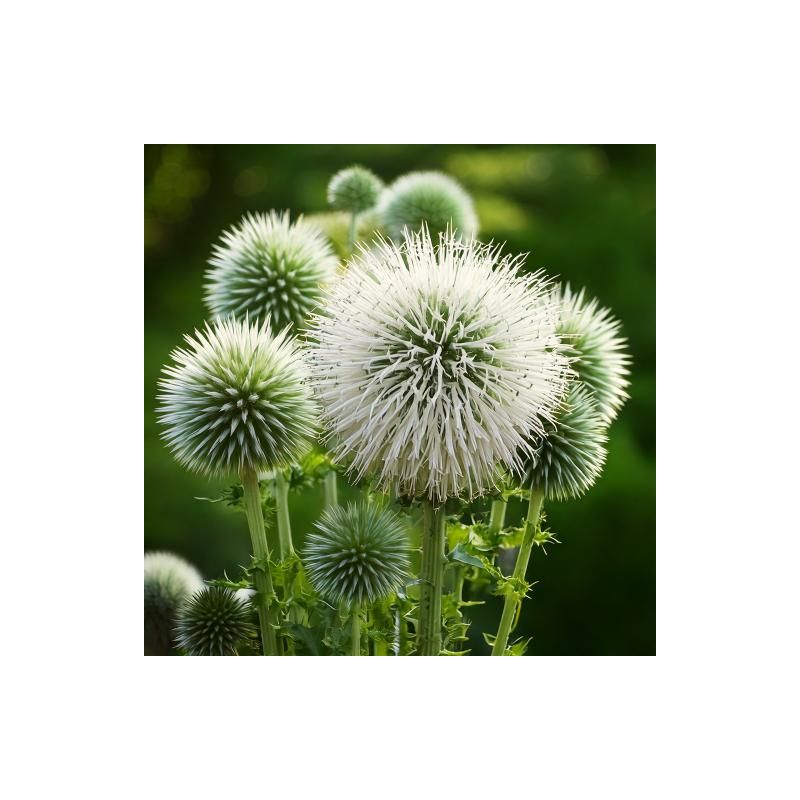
x: 570, y: 456
x: 432, y: 364
x: 169, y: 581
x: 354, y: 189
x: 359, y: 554
x: 267, y: 267
x: 235, y: 398
x: 428, y: 198
x: 600, y: 353
x: 214, y: 622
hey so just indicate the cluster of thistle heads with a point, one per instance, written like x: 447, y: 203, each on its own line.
x: 429, y: 362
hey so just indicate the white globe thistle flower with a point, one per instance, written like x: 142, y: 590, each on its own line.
x: 236, y: 398
x: 427, y: 198
x: 267, y: 267
x: 570, y: 456
x: 433, y: 363
x: 354, y: 189
x: 359, y: 554
x: 169, y: 581
x: 600, y: 355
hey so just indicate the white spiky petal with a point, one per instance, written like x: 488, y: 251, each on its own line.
x: 433, y: 363
x: 600, y: 353
x: 267, y: 267
x: 236, y: 398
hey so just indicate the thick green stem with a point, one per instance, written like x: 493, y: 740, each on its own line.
x: 282, y: 509
x: 261, y: 575
x: 355, y: 631
x: 331, y: 491
x: 497, y: 518
x: 520, y: 568
x: 429, y: 627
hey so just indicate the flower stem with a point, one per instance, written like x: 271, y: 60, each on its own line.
x: 282, y: 509
x: 429, y: 627
x: 520, y: 568
x: 351, y: 234
x: 261, y: 576
x: 497, y: 517
x: 355, y: 630
x: 331, y: 492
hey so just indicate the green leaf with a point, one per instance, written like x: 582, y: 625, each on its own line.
x: 460, y: 555
x: 518, y: 648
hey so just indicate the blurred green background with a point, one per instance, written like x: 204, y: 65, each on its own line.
x: 584, y: 213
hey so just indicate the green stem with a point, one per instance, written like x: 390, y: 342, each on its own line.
x: 520, y: 568
x: 282, y: 509
x: 497, y: 518
x: 355, y: 630
x: 331, y: 491
x: 261, y: 575
x: 459, y: 587
x: 429, y: 628
x: 351, y: 234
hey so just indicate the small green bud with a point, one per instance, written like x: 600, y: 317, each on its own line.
x: 354, y: 189
x: 215, y: 622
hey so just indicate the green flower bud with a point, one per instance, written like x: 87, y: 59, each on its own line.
x: 428, y: 198
x: 215, y: 622
x: 354, y: 189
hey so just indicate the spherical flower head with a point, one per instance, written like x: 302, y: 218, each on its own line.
x: 570, y: 456
x: 354, y: 189
x: 428, y: 198
x: 266, y: 267
x: 359, y: 554
x: 236, y: 398
x: 432, y: 364
x: 169, y: 581
x: 600, y: 353
x: 214, y: 622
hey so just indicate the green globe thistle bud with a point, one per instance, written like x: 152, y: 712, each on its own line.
x: 268, y: 268
x: 354, y: 189
x: 570, y: 456
x: 428, y: 198
x: 593, y: 339
x: 214, y: 622
x: 359, y: 554
x: 236, y: 399
x: 169, y: 581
